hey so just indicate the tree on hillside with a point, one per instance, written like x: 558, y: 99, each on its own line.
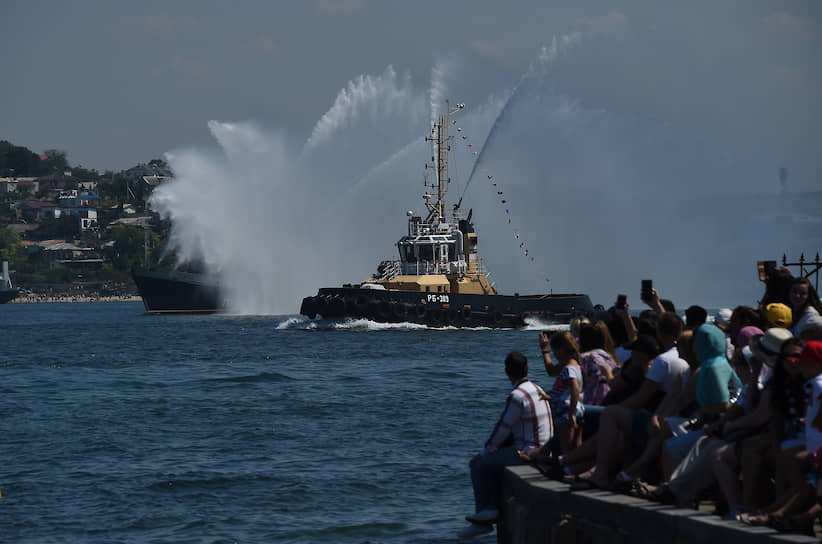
x: 10, y: 244
x: 84, y: 174
x: 129, y: 246
x: 17, y: 161
x: 113, y: 188
x: 66, y: 227
x: 56, y: 160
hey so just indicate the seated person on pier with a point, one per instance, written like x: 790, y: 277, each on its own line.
x: 624, y: 428
x: 526, y: 422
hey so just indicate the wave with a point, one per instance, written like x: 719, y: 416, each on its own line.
x: 536, y: 324
x: 265, y: 377
x: 362, y: 324
x: 361, y: 530
x: 205, y: 482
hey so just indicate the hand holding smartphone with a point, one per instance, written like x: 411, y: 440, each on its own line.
x: 647, y: 291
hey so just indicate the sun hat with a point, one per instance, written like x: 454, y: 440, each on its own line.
x: 809, y: 323
x: 779, y: 315
x: 723, y: 317
x: 769, y: 345
x: 745, y: 335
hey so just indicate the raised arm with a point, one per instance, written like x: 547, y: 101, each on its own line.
x: 654, y: 303
x: 627, y: 322
x: 550, y: 367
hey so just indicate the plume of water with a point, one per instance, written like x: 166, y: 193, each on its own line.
x: 604, y: 198
x: 274, y: 220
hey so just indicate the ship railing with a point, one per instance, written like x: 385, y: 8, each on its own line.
x: 420, y: 268
x: 389, y: 269
x: 482, y: 268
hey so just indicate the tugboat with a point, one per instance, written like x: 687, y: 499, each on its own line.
x: 7, y: 292
x: 439, y: 279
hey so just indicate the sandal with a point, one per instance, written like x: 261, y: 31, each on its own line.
x: 640, y: 490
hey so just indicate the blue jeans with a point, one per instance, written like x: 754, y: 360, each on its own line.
x: 486, y: 476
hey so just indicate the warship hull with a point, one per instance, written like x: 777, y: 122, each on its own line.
x: 7, y: 295
x: 175, y: 292
x: 443, y: 309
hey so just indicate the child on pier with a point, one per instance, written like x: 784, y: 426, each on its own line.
x: 566, y: 395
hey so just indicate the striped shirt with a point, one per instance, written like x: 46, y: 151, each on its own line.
x: 526, y: 417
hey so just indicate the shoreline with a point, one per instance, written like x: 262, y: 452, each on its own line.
x: 52, y: 299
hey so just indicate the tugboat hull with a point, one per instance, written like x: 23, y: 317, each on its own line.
x: 174, y: 292
x: 443, y: 309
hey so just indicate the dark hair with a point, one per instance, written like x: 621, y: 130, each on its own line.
x: 785, y: 386
x: 670, y: 324
x: 516, y: 365
x: 615, y: 325
x: 746, y: 316
x: 777, y: 287
x: 607, y: 339
x: 668, y: 305
x: 695, y: 316
x: 647, y: 344
x: 812, y: 300
x: 647, y: 326
x: 590, y: 337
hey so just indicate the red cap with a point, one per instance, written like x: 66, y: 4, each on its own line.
x: 812, y: 352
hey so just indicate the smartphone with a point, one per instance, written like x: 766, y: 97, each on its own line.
x: 620, y: 301
x: 647, y: 289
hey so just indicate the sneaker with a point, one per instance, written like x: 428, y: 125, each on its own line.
x: 475, y: 529
x: 484, y: 517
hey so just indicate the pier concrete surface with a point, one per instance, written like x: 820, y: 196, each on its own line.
x: 536, y: 510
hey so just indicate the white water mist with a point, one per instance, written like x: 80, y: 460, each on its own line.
x: 603, y: 198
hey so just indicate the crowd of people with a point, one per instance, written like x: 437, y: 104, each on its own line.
x: 722, y: 408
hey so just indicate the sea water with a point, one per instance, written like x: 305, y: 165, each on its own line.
x: 117, y: 426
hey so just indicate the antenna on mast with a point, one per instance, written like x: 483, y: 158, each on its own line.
x: 439, y: 162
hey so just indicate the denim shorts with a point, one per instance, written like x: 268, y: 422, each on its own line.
x: 679, y: 446
x: 560, y: 412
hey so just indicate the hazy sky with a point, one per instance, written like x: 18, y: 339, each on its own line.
x: 634, y: 138
x: 116, y: 83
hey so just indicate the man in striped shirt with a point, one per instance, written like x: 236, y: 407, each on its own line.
x: 525, y: 425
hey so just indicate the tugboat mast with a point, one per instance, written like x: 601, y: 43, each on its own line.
x: 440, y: 136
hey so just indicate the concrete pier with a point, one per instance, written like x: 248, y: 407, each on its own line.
x: 537, y: 510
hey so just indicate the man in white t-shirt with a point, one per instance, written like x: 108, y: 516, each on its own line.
x: 668, y: 365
